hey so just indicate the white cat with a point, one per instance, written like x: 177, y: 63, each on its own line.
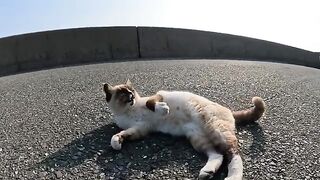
x: 209, y: 126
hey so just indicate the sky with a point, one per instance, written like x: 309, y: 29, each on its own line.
x: 292, y: 22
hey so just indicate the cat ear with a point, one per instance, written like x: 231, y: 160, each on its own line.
x: 128, y: 83
x: 106, y: 87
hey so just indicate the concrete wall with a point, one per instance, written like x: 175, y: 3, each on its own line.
x: 84, y: 45
x: 177, y: 43
x: 65, y: 47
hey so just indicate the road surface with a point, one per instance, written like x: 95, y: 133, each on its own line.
x: 55, y: 123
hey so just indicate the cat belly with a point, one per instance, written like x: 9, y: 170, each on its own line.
x: 179, y: 129
x: 168, y: 128
x: 124, y: 122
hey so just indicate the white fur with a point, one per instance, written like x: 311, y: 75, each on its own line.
x: 235, y: 168
x: 162, y: 108
x: 115, y: 142
x: 213, y: 164
x: 140, y: 114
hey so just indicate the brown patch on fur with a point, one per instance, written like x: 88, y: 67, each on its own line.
x: 252, y: 114
x: 123, y: 89
x: 223, y: 125
x: 222, y: 134
x: 200, y: 144
x: 108, y: 96
x: 124, y: 93
x: 232, y: 146
x: 153, y: 100
x: 218, y: 126
x: 232, y: 142
x: 106, y: 89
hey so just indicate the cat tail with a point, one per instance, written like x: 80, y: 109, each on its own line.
x: 250, y: 115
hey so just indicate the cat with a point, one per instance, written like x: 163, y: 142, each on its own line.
x: 208, y: 126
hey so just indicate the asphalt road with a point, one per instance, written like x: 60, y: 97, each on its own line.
x: 55, y: 123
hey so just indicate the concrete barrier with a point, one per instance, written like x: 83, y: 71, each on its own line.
x: 182, y: 43
x: 85, y: 45
x: 66, y: 47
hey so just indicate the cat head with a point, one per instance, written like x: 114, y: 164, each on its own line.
x: 120, y: 97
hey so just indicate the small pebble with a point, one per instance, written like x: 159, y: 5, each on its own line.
x: 102, y: 175
x: 81, y: 148
x: 43, y: 174
x: 58, y: 174
x: 128, y: 165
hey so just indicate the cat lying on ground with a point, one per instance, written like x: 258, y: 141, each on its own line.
x: 209, y: 126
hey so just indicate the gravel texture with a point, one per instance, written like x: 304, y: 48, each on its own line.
x: 55, y: 123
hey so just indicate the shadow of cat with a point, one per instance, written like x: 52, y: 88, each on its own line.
x: 259, y: 138
x: 157, y: 152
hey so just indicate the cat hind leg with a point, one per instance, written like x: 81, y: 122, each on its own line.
x: 202, y: 144
x: 235, y: 168
x: 213, y: 164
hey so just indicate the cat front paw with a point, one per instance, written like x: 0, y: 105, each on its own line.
x: 162, y: 108
x: 116, y: 142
